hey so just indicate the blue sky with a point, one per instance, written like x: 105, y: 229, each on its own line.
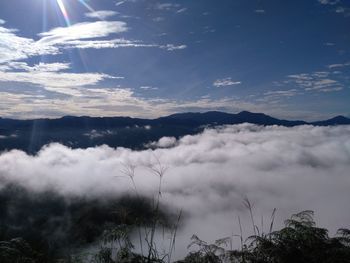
x: 149, y: 58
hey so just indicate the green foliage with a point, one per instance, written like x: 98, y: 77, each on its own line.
x: 17, y: 250
x: 300, y: 241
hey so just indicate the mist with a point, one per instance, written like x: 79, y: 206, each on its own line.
x: 208, y: 176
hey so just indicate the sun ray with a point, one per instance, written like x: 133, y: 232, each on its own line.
x: 64, y: 12
x: 87, y: 5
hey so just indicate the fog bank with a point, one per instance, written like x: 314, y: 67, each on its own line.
x: 208, y: 175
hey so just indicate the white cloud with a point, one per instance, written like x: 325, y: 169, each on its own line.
x: 182, y: 10
x: 276, y: 96
x: 81, y: 31
x: 335, y: 66
x: 113, y: 43
x: 119, y: 101
x: 158, y: 19
x: 8, y: 136
x: 101, y: 14
x: 343, y: 10
x: 329, y: 2
x: 225, y: 82
x: 2, y: 22
x: 284, y: 93
x: 41, y: 67
x: 171, y: 47
x: 60, y: 82
x: 93, y: 134
x: 164, y: 142
x: 291, y: 169
x: 13, y: 47
x: 340, y: 65
x: 259, y: 11
x: 173, y: 7
x: 148, y: 88
x: 50, y: 77
x: 81, y: 35
x: 316, y: 81
x: 166, y: 6
x: 338, y: 8
x: 125, y: 1
x: 120, y: 3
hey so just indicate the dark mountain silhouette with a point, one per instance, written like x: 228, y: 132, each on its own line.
x: 221, y: 118
x: 339, y: 120
x: 82, y: 132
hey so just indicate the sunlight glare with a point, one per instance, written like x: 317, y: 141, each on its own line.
x: 87, y: 6
x: 64, y: 11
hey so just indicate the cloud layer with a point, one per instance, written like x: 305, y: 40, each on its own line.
x: 209, y: 174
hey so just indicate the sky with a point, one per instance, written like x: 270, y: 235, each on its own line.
x: 150, y: 58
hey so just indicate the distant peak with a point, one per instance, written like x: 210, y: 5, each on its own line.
x: 340, y: 117
x: 245, y: 112
x: 250, y: 113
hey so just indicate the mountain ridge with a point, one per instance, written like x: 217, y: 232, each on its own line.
x: 243, y: 116
x: 135, y: 133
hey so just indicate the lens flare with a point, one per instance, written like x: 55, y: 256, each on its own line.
x: 87, y: 6
x: 64, y: 12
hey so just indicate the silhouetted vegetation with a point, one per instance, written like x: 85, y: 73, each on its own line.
x: 299, y: 241
x: 57, y: 226
x: 47, y: 227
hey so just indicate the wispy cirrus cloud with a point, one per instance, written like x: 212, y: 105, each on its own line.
x: 260, y: 11
x: 41, y: 67
x: 120, y: 3
x: 339, y: 65
x: 50, y: 77
x: 81, y: 36
x: 277, y: 97
x: 172, y: 47
x: 54, y: 76
x: 101, y: 14
x: 81, y: 31
x: 148, y: 88
x: 97, y: 101
x: 113, y: 43
x: 316, y: 81
x: 182, y: 10
x: 328, y: 2
x: 337, y: 7
x: 225, y: 82
x: 343, y: 10
x: 172, y: 7
x: 284, y: 93
x: 167, y: 6
x: 14, y: 47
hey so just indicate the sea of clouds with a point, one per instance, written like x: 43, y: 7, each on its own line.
x: 209, y: 175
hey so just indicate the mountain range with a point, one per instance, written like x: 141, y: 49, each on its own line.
x: 82, y: 132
